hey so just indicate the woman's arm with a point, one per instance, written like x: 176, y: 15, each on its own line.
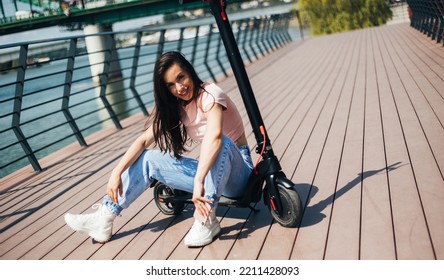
x: 114, y: 187
x: 209, y: 150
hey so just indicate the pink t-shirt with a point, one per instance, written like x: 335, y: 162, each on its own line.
x: 195, y: 121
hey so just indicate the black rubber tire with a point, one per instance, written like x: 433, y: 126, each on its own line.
x: 160, y: 192
x: 292, y: 207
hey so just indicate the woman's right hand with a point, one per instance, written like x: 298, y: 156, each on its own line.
x: 114, y: 188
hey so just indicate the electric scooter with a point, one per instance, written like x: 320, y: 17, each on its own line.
x: 278, y: 193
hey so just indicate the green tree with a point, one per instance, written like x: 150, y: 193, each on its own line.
x: 331, y: 16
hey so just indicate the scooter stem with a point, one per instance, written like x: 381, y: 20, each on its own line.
x: 218, y: 10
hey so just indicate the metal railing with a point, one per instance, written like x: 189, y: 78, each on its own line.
x: 39, y: 9
x: 428, y: 17
x: 50, y: 97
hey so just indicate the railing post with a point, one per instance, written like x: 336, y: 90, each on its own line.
x: 426, y: 20
x: 413, y: 12
x: 301, y: 27
x: 259, y: 36
x: 207, y: 51
x: 134, y: 74
x: 273, y: 32
x: 244, y: 39
x: 258, y: 26
x: 287, y: 18
x: 239, y: 28
x: 18, y: 107
x: 103, y: 77
x: 281, y: 39
x: 67, y: 92
x: 180, y: 43
x: 219, y: 43
x: 3, y: 11
x: 434, y: 26
x: 430, y: 20
x: 193, y: 52
x: 439, y: 18
x: 440, y: 29
x: 428, y: 17
x: 267, y: 34
x: 161, y: 43
x: 250, y: 42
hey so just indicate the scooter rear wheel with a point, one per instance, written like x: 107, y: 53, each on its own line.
x: 163, y: 196
x: 291, y: 207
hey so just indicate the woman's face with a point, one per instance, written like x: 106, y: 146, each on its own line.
x: 179, y: 82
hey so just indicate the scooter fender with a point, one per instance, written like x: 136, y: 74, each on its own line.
x: 285, y: 182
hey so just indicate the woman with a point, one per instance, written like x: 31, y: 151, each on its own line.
x: 185, y: 109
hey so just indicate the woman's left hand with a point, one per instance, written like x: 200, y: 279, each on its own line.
x: 199, y: 200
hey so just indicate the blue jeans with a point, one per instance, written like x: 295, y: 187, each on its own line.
x: 228, y: 175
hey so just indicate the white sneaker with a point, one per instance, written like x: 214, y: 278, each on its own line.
x: 98, y: 224
x: 201, y: 235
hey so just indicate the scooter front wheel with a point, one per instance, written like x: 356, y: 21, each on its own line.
x: 291, y: 212
x: 164, y: 198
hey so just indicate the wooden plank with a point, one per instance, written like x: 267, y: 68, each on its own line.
x: 411, y: 235
x: 41, y: 231
x: 326, y: 146
x: 56, y: 208
x: 343, y: 241
x: 85, y: 248
x: 231, y: 225
x: 424, y: 166
x: 377, y: 238
x: 51, y: 185
x: 426, y: 63
x: 74, y: 155
x: 136, y: 223
x: 426, y: 98
x: 48, y: 226
x: 282, y: 112
x: 282, y: 133
x: 51, y: 177
x: 52, y: 161
x: 422, y: 50
x: 312, y: 234
x: 49, y: 211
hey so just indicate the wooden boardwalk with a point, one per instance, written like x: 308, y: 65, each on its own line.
x: 356, y: 120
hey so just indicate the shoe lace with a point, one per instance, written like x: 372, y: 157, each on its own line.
x: 197, y: 226
x: 100, y: 211
x: 96, y: 206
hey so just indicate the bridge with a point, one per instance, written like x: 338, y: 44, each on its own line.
x: 357, y: 122
x: 77, y: 13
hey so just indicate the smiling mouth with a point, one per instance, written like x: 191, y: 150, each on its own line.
x: 184, y: 94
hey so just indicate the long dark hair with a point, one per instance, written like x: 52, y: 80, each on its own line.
x: 169, y: 133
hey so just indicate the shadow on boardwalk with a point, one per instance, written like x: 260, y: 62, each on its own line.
x: 314, y: 213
